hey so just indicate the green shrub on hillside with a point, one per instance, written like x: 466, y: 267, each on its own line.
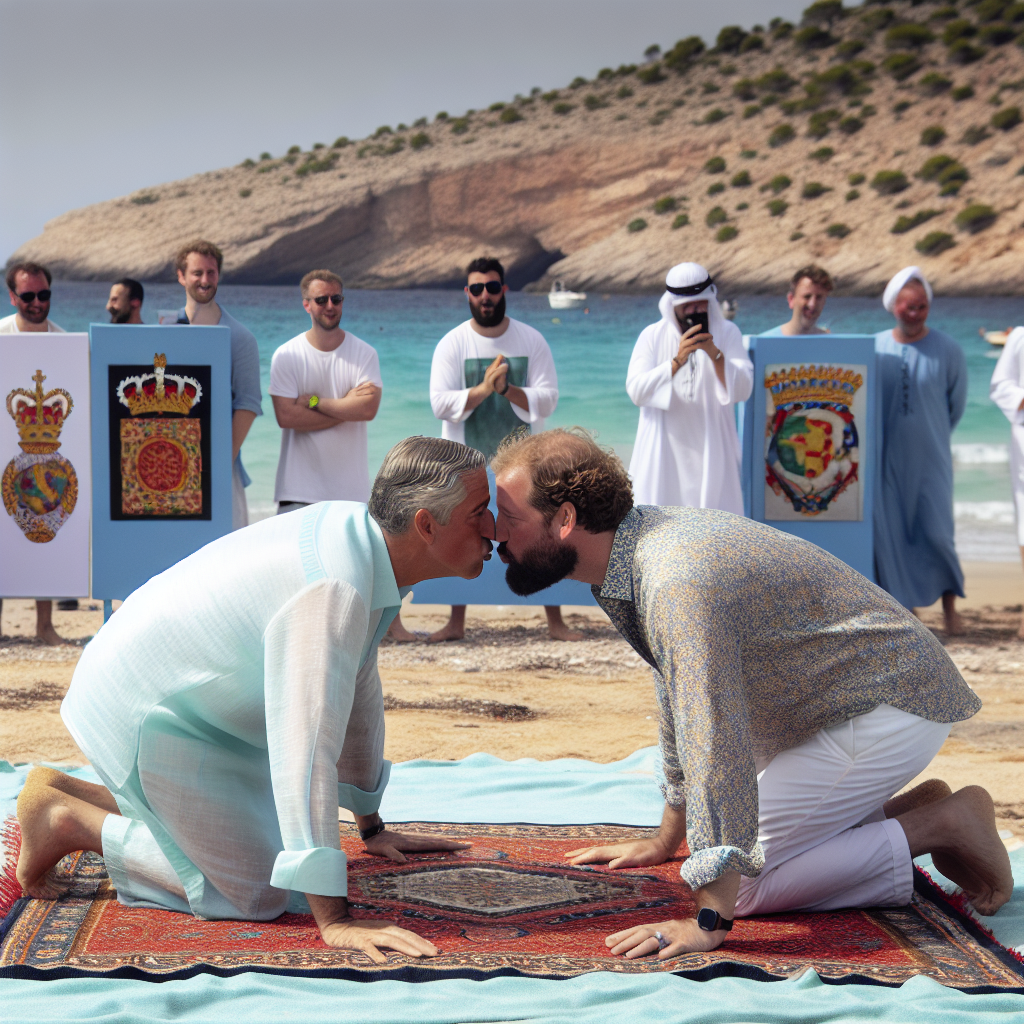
x: 946, y: 13
x: 145, y: 199
x: 960, y: 28
x: 932, y: 135
x: 730, y: 39
x: 780, y: 135
x: 714, y: 115
x: 562, y: 108
x: 726, y: 233
x: 748, y: 154
x: 777, y: 207
x: 245, y: 192
x: 384, y: 129
x: 294, y: 150
x: 708, y: 88
x: 682, y: 55
x: 753, y: 42
x: 744, y: 89
x: 823, y: 154
x: 577, y: 82
x: 933, y: 167
x: 743, y: 206
x: 341, y: 142
x: 716, y: 165
x: 837, y: 230
x: 877, y: 19
x: 905, y: 224
x: 796, y: 236
x: 909, y: 36
x: 419, y: 140
x: 680, y: 221
x: 901, y: 65
x: 624, y: 92
x: 997, y: 35
x: 976, y: 217
x: 780, y: 28
x: 856, y: 178
x: 666, y: 204
x: 962, y: 52
x: 933, y: 83
x: 650, y: 75
x: 716, y: 188
x: 1005, y: 119
x: 813, y: 189
x: 889, y: 183
x: 751, y: 110
x: 813, y: 37
x: 850, y: 125
x: 460, y: 126
x: 778, y: 80
x: 715, y: 216
x: 974, y: 135
x: 638, y: 224
x: 849, y: 48
x: 852, y: 194
x: 777, y: 184
x: 594, y: 102
x: 989, y: 10
x: 818, y: 124
x: 266, y: 156
x: 510, y: 115
x: 741, y: 179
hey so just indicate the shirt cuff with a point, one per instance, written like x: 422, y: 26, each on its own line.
x: 704, y: 866
x: 675, y: 796
x: 248, y: 405
x: 359, y: 801
x: 320, y: 871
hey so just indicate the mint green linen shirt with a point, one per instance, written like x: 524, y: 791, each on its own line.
x: 758, y: 640
x: 249, y: 652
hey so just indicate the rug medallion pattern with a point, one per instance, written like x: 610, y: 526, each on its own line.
x: 508, y: 904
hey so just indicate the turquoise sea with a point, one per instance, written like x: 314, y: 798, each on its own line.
x: 591, y: 351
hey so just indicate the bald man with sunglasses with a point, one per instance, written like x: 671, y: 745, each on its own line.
x: 326, y: 386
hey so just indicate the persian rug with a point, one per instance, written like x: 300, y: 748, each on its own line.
x: 509, y: 905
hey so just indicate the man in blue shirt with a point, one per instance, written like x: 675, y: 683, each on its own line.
x: 199, y: 264
x: 808, y: 290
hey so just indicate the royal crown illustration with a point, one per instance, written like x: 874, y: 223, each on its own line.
x: 827, y: 384
x: 159, y: 391
x: 39, y: 417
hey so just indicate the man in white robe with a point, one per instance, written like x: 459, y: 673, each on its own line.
x: 232, y: 704
x: 686, y: 382
x: 1007, y: 391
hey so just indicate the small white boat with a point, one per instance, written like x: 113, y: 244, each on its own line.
x: 561, y: 298
x: 995, y: 338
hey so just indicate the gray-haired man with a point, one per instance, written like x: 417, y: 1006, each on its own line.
x: 224, y: 766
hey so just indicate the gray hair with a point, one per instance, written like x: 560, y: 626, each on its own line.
x: 421, y: 472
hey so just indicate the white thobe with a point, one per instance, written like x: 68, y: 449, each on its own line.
x: 687, y: 450
x: 231, y: 705
x: 1007, y: 391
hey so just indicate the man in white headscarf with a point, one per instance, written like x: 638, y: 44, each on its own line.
x: 1007, y: 391
x: 923, y: 378
x: 686, y: 373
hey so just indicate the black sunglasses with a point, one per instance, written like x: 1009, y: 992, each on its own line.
x: 322, y: 300
x: 493, y: 288
x: 43, y: 296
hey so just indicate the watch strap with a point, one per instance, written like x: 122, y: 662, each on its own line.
x: 373, y: 830
x: 709, y: 920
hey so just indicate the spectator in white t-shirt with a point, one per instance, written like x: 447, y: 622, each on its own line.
x: 29, y: 287
x: 326, y: 386
x: 490, y: 376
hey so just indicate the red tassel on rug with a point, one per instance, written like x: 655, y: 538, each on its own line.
x: 10, y: 887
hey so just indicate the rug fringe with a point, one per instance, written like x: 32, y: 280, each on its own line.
x: 958, y: 899
x: 10, y: 887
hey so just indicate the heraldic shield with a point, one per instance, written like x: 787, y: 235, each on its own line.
x: 40, y: 488
x: 812, y: 445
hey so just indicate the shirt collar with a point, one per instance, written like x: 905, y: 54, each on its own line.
x: 386, y: 593
x: 618, y: 579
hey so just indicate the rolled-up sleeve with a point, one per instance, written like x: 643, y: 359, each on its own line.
x: 699, y: 657
x: 541, y: 385
x: 311, y: 657
x: 448, y: 393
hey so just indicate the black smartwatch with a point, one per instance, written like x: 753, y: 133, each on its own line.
x: 709, y: 920
x: 373, y: 830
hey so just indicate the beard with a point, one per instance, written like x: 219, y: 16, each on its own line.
x: 489, y: 317
x: 120, y: 316
x: 541, y: 567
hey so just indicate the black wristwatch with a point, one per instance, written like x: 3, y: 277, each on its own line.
x: 709, y: 920
x: 373, y: 830
x: 508, y: 384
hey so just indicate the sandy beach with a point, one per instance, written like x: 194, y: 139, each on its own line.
x: 510, y: 691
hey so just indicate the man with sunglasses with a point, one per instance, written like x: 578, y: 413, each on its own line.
x: 490, y: 376
x: 326, y: 386
x: 29, y: 286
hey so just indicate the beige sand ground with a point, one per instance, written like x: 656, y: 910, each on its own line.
x: 591, y: 699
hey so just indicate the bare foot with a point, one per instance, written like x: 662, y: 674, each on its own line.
x: 450, y: 631
x: 928, y: 792
x: 55, y: 822
x: 967, y: 848
x: 400, y: 634
x: 563, y: 632
x: 954, y: 625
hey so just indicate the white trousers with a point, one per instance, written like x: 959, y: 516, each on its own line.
x: 825, y: 838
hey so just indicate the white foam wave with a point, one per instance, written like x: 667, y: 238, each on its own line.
x: 995, y: 513
x: 975, y: 454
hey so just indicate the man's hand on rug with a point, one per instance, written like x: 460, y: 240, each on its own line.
x: 394, y: 845
x: 676, y: 937
x: 638, y: 853
x: 370, y: 937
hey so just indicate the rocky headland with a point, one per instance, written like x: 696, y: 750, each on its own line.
x: 864, y: 138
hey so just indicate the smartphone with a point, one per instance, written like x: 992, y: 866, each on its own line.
x: 692, y: 319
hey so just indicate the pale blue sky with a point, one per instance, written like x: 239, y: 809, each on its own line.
x: 102, y: 97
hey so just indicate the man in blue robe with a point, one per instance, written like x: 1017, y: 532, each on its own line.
x: 923, y: 378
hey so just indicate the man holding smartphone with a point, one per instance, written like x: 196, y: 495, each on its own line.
x: 686, y: 373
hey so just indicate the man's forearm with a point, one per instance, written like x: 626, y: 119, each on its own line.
x: 241, y: 421
x: 720, y: 895
x: 350, y: 409
x: 327, y: 910
x: 477, y: 395
x: 673, y: 828
x: 517, y: 396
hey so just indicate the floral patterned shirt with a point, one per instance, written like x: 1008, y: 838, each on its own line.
x: 758, y: 640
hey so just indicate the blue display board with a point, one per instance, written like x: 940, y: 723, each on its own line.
x: 161, y: 442
x: 811, y: 435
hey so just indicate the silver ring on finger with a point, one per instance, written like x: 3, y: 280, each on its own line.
x: 662, y: 941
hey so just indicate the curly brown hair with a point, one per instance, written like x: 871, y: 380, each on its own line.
x: 569, y: 466
x: 815, y: 274
x: 201, y: 247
